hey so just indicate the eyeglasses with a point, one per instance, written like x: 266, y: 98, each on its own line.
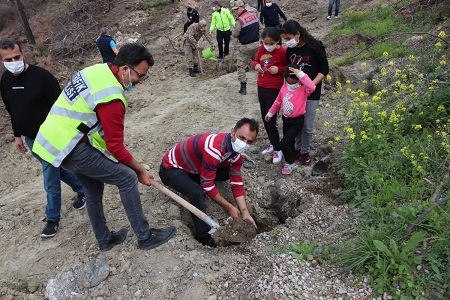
x: 138, y: 74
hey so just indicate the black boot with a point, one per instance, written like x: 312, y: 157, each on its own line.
x: 243, y: 89
x: 191, y: 72
x: 196, y: 69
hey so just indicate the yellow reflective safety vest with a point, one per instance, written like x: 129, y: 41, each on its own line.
x: 73, y: 114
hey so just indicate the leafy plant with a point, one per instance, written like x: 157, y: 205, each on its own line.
x: 304, y: 250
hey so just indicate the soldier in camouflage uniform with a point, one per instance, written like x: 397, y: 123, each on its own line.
x: 190, y: 44
x: 247, y: 31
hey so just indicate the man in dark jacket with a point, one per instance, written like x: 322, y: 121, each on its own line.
x: 193, y: 17
x: 269, y: 15
x: 107, y: 46
x: 28, y: 93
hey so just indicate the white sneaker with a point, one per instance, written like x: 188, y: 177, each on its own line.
x: 268, y: 150
x: 328, y: 18
x: 277, y: 156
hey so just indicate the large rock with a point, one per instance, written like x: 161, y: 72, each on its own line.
x: 63, y: 286
x: 96, y: 271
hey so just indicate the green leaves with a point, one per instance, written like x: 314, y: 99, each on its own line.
x: 303, y: 250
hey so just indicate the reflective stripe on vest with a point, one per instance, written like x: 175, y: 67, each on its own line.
x: 73, y: 114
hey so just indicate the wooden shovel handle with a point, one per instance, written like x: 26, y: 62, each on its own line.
x: 204, y: 217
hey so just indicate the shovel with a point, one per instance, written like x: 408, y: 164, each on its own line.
x: 201, y: 68
x: 204, y: 217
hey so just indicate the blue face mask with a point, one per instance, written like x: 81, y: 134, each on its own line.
x: 129, y: 86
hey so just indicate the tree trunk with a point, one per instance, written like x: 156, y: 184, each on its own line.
x: 26, y: 25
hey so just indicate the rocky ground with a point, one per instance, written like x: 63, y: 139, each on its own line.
x: 167, y: 108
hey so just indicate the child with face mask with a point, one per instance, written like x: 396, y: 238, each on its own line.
x: 270, y: 62
x: 292, y: 102
x: 309, y: 53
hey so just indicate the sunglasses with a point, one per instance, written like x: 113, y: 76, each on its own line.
x: 138, y: 74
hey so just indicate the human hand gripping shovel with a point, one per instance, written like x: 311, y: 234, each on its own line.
x: 204, y: 217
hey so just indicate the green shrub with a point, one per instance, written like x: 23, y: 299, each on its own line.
x: 397, y: 134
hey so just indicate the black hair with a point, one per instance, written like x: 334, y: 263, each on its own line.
x: 292, y: 27
x: 216, y: 3
x: 9, y: 43
x: 287, y: 73
x: 133, y: 54
x: 271, y: 32
x: 252, y: 123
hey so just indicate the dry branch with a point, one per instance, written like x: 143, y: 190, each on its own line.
x: 435, y: 197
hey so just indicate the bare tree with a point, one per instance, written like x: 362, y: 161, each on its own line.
x: 26, y: 25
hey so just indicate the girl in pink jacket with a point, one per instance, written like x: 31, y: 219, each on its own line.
x: 292, y: 101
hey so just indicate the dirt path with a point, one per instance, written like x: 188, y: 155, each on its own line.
x: 164, y: 110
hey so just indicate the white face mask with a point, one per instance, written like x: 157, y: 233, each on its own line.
x: 270, y: 48
x: 292, y: 43
x: 129, y: 86
x: 15, y: 67
x: 269, y: 4
x: 293, y: 86
x: 239, y: 146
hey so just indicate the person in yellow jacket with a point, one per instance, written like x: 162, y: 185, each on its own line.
x: 84, y: 133
x: 222, y: 20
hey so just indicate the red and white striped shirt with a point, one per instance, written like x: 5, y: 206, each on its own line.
x: 203, y: 154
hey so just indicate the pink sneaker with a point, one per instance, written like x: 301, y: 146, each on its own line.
x: 268, y: 150
x: 288, y: 168
x: 277, y: 156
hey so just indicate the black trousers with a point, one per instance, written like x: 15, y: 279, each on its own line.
x: 186, y: 25
x: 223, y: 37
x: 266, y: 98
x: 291, y: 128
x: 189, y: 186
x: 260, y: 4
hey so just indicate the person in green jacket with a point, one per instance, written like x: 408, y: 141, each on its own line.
x: 222, y: 19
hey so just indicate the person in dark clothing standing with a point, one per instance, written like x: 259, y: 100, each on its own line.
x: 261, y: 4
x: 193, y: 17
x: 29, y: 92
x: 107, y: 46
x: 269, y: 15
x: 309, y: 53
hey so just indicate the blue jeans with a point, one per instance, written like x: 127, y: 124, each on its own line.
x: 304, y: 138
x: 93, y: 170
x: 52, y: 185
x: 330, y: 7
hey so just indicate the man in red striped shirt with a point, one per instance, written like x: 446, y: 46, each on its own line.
x: 192, y: 167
